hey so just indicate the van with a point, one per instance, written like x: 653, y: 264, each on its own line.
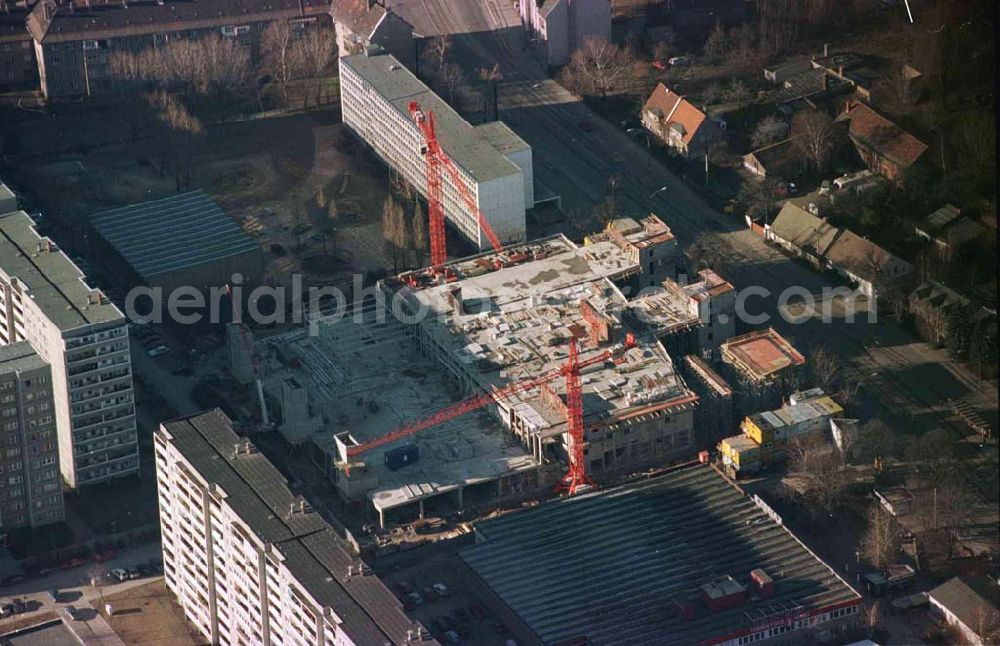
x: 841, y: 182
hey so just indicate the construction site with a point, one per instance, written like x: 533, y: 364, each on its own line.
x: 534, y: 345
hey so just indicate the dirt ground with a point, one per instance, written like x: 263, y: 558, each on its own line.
x: 265, y: 173
x: 148, y: 615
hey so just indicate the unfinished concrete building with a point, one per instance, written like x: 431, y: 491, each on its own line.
x: 689, y: 318
x: 648, y: 243
x: 714, y: 418
x: 762, y: 367
x: 486, y: 322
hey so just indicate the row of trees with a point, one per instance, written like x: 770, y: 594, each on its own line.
x: 404, y: 229
x: 221, y: 68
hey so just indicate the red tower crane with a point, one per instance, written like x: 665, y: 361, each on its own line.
x: 436, y: 160
x: 576, y: 475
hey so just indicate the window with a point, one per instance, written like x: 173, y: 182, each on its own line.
x: 90, y: 44
x: 235, y: 30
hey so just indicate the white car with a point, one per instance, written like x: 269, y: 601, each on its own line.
x: 441, y: 590
x: 159, y: 350
x: 679, y: 60
x: 120, y: 574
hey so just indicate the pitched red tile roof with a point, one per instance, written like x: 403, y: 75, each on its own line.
x: 675, y: 109
x: 883, y: 136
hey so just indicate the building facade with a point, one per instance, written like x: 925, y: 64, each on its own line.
x: 493, y: 164
x: 30, y: 489
x: 560, y: 27
x: 248, y: 562
x: 84, y: 338
x: 18, y: 69
x: 367, y: 22
x: 74, y: 41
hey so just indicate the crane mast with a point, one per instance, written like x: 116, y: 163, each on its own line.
x: 436, y: 160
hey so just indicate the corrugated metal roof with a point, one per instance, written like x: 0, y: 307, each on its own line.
x: 606, y: 565
x: 171, y: 233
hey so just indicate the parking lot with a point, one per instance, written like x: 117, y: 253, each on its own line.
x: 416, y: 577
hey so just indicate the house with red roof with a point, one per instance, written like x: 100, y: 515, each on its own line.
x: 678, y: 123
x: 885, y: 148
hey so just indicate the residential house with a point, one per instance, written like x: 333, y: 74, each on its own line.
x: 560, y: 27
x: 885, y: 148
x: 949, y: 229
x: 867, y: 264
x: 18, y: 70
x: 931, y: 305
x: 969, y: 605
x: 678, y: 123
x: 363, y: 23
x: 802, y: 233
x: 778, y: 160
x: 75, y: 40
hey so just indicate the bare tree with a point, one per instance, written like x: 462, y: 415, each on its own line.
x: 768, y: 130
x: 872, y: 615
x: 716, y: 46
x: 737, y: 92
x: 277, y: 55
x: 825, y: 367
x: 904, y: 84
x: 451, y: 76
x: 181, y: 131
x: 418, y: 233
x: 813, y: 132
x: 600, y: 66
x: 437, y: 52
x: 712, y: 93
x: 932, y: 457
x: 820, y: 470
x: 987, y: 624
x: 394, y: 230
x: 881, y: 539
x: 976, y: 140
x: 315, y: 50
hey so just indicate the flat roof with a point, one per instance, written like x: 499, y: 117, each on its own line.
x: 20, y: 356
x: 311, y: 550
x: 760, y: 354
x: 605, y: 566
x: 170, y: 233
x: 515, y: 322
x: 52, y: 280
x: 471, y: 148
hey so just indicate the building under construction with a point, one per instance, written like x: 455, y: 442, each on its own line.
x: 762, y: 367
x: 482, y: 325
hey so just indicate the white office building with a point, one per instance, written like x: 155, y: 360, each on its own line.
x: 493, y: 162
x: 45, y: 301
x: 251, y: 563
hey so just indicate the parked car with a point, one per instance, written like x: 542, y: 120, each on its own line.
x: 159, y: 350
x: 586, y: 126
x: 20, y: 605
x: 133, y: 573
x: 13, y: 579
x: 679, y: 60
x: 415, y: 598
x: 6, y: 610
x: 430, y: 596
x: 54, y: 595
x: 71, y: 613
x: 452, y: 637
x: 120, y: 573
x: 442, y: 590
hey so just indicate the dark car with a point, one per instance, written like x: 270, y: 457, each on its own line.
x: 14, y: 579
x: 19, y: 606
x: 6, y: 610
x: 586, y: 126
x: 54, y: 595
